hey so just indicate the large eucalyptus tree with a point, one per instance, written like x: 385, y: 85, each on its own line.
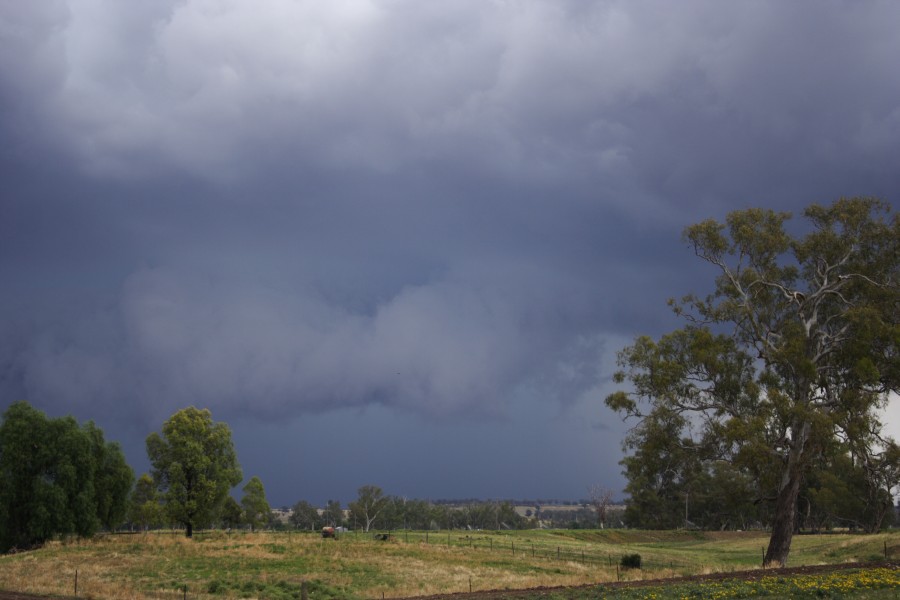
x: 796, y: 346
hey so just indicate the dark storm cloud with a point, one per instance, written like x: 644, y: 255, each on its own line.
x: 295, y: 207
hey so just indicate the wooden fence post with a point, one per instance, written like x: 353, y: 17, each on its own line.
x: 76, y: 582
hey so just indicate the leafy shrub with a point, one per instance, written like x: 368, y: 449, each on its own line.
x: 631, y: 561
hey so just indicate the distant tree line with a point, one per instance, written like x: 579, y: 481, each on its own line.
x: 372, y: 509
x: 676, y: 482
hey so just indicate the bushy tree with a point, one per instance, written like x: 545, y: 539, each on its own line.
x: 56, y: 478
x: 305, y: 516
x: 796, y: 344
x: 254, y: 505
x: 369, y: 504
x: 113, y: 479
x: 145, y: 511
x: 333, y: 514
x: 231, y: 515
x: 194, y: 466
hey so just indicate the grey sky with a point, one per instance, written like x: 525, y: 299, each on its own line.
x: 399, y: 242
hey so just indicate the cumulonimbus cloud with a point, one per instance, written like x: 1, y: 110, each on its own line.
x: 543, y: 89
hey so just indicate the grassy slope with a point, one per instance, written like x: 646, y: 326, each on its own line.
x: 268, y: 565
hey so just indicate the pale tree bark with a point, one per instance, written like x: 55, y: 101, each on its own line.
x: 600, y: 499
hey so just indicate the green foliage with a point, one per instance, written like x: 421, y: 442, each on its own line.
x: 370, y: 502
x: 277, y: 590
x: 232, y: 515
x: 113, y: 479
x: 56, y: 478
x: 795, y: 350
x: 194, y: 466
x: 145, y: 511
x: 333, y: 515
x: 254, y: 504
x: 305, y: 516
x: 631, y: 561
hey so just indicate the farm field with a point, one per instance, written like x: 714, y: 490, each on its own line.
x: 219, y: 565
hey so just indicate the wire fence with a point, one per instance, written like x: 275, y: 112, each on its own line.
x: 610, y: 563
x: 569, y: 552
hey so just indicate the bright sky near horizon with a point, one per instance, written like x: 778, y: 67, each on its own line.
x: 400, y: 242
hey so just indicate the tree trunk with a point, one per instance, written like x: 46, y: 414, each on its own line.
x: 189, y: 532
x: 786, y: 503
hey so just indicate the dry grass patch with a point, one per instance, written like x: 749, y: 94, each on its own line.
x: 216, y: 566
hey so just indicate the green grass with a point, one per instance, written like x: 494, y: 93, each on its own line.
x: 219, y: 566
x: 850, y: 584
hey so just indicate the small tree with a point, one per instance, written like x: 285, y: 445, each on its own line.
x: 600, y: 499
x: 232, y: 514
x: 194, y: 465
x: 145, y: 510
x: 113, y: 479
x: 304, y: 516
x: 333, y: 514
x: 366, y: 508
x: 254, y: 504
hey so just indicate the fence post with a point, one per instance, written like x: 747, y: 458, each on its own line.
x: 76, y: 582
x: 304, y: 593
x: 885, y: 550
x: 764, y: 557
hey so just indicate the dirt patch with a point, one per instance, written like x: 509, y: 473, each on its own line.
x: 22, y: 596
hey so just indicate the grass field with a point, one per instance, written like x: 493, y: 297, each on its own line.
x: 219, y: 565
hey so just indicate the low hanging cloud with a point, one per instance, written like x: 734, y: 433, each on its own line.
x: 437, y: 350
